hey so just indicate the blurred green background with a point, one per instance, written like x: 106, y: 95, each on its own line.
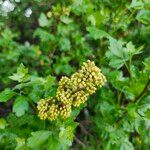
x: 52, y: 38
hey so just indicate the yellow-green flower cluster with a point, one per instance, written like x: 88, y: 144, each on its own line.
x: 51, y: 111
x: 58, y: 12
x: 47, y: 109
x: 72, y: 92
x: 65, y: 110
x: 42, y: 107
x: 64, y: 91
x: 75, y: 90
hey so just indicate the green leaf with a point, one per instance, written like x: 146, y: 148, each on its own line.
x: 21, y: 75
x: 65, y: 19
x: 3, y: 123
x: 20, y: 106
x: 147, y: 63
x: 44, y: 35
x: 20, y: 144
x: 116, y: 63
x: 131, y: 108
x: 6, y: 95
x: 133, y: 88
x: 119, y: 54
x: 136, y: 4
x: 144, y: 110
x: 95, y: 18
x: 65, y: 44
x: 50, y: 81
x: 144, y: 107
x: 43, y: 21
x: 131, y: 49
x: 127, y: 125
x: 92, y: 19
x: 96, y: 33
x: 138, y: 124
x: 66, y: 136
x: 53, y: 143
x: 126, y: 145
x: 116, y: 53
x: 144, y: 17
x: 38, y: 140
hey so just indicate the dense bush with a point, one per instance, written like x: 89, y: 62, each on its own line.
x: 42, y: 41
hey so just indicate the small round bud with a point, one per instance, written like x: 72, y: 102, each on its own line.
x: 53, y: 112
x: 65, y: 111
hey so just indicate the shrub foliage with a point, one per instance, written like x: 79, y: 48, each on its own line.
x: 47, y: 102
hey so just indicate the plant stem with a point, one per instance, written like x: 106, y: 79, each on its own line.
x: 129, y: 69
x: 138, y: 98
x: 119, y: 97
x: 32, y: 105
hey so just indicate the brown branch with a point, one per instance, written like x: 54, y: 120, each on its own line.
x: 79, y: 142
x: 84, y: 130
x: 86, y: 122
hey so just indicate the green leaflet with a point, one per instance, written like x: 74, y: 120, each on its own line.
x: 20, y: 105
x: 21, y: 75
x: 6, y: 95
x: 95, y: 33
x: 119, y: 54
x: 38, y: 139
